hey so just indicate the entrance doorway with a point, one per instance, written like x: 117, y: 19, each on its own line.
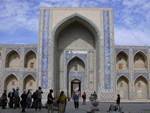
x: 75, y: 73
x: 75, y: 86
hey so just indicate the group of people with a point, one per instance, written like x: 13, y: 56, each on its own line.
x: 26, y: 100
x: 61, y: 101
x: 29, y: 100
x: 27, y: 97
x: 14, y: 99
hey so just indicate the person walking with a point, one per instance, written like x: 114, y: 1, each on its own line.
x: 39, y: 98
x: 35, y: 100
x: 62, y: 101
x: 84, y: 98
x: 118, y: 108
x: 29, y: 98
x: 76, y: 100
x: 118, y: 100
x: 4, y: 100
x: 23, y: 100
x: 50, y: 100
x: 95, y: 95
x: 10, y: 96
x: 16, y: 98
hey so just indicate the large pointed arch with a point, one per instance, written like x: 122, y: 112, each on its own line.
x: 76, y: 17
x: 85, y: 38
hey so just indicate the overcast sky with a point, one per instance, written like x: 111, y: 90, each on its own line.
x: 19, y: 19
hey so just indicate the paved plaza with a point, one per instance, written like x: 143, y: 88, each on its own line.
x: 127, y: 108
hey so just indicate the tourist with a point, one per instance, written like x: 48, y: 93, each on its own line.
x: 23, y: 101
x: 84, y: 98
x: 16, y: 98
x: 29, y: 98
x: 118, y: 100
x: 50, y: 100
x: 76, y: 100
x: 4, y: 100
x: 10, y: 96
x: 35, y: 100
x: 62, y: 101
x: 39, y: 98
x: 95, y: 95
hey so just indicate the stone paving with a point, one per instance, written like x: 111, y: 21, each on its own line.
x: 127, y: 108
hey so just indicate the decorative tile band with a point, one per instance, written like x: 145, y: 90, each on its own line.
x: 107, y: 50
x: 44, y: 60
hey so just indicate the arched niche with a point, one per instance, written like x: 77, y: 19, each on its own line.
x: 122, y: 61
x: 123, y: 87
x: 30, y: 60
x: 76, y: 65
x: 141, y: 88
x: 29, y: 83
x: 13, y: 60
x: 11, y: 82
x: 140, y: 61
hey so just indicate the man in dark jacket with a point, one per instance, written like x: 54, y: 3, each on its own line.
x: 10, y: 96
x: 34, y: 96
x: 50, y: 100
x: 4, y: 99
x: 23, y: 101
x: 39, y: 97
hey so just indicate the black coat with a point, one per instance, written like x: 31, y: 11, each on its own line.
x: 23, y: 100
x: 50, y: 98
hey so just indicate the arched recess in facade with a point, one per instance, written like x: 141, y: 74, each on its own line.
x: 75, y: 67
x: 141, y: 88
x: 73, y: 33
x: 11, y: 82
x: 122, y: 61
x: 123, y: 87
x: 30, y: 60
x: 140, y: 61
x: 29, y: 83
x: 12, y: 60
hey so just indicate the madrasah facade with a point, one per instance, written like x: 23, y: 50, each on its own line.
x: 76, y: 51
